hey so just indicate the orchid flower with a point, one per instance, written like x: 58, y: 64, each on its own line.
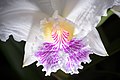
x: 59, y: 34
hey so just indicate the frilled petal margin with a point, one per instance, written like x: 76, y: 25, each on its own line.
x: 68, y: 59
x: 16, y: 18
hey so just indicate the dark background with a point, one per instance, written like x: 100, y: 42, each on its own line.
x: 101, y: 68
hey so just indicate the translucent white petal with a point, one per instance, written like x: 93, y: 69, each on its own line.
x: 58, y: 5
x: 87, y: 13
x: 16, y: 18
x: 44, y: 5
x: 30, y: 49
x: 69, y: 6
x: 28, y: 56
x: 34, y: 40
x: 49, y: 6
x: 31, y: 46
x: 96, y: 43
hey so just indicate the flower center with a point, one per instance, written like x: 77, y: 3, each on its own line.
x: 58, y: 32
x: 61, y: 49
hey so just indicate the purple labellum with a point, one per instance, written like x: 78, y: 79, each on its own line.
x: 63, y: 51
x: 51, y: 56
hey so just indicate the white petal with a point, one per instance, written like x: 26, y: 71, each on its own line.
x: 87, y: 13
x: 31, y: 47
x: 58, y: 5
x: 28, y: 56
x: 96, y: 43
x: 49, y: 6
x: 34, y: 40
x: 16, y: 18
x: 69, y: 6
x: 44, y: 5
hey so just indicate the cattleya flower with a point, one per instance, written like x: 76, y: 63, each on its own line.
x: 59, y: 34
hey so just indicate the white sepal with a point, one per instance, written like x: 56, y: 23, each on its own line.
x: 96, y: 44
x: 16, y: 18
x: 86, y: 14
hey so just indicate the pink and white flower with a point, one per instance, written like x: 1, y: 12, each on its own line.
x: 59, y: 34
